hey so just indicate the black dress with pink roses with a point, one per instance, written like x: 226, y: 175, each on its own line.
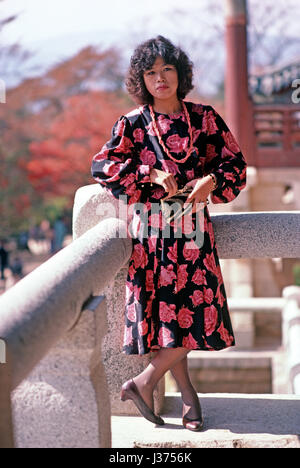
x: 175, y: 295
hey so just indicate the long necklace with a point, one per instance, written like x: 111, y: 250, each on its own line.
x: 157, y: 133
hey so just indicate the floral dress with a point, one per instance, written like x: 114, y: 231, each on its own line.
x: 175, y: 295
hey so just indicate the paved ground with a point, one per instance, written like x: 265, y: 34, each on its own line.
x: 231, y: 421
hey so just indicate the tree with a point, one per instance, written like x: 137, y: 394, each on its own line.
x: 51, y: 126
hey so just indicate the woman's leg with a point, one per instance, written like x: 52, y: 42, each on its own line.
x: 164, y: 359
x: 191, y: 405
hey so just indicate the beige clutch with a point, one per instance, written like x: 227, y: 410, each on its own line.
x: 173, y: 207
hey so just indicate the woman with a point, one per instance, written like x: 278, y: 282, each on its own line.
x: 175, y: 296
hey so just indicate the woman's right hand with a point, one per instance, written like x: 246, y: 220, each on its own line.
x: 166, y: 180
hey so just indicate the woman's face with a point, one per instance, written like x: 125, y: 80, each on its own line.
x: 161, y: 80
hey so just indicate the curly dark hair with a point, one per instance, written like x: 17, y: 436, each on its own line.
x: 143, y: 59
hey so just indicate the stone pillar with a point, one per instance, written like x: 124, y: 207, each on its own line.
x: 239, y: 111
x: 92, y: 205
x: 291, y: 336
x: 64, y: 402
x: 6, y: 425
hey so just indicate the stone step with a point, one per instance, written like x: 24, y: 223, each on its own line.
x: 234, y: 371
x: 231, y: 421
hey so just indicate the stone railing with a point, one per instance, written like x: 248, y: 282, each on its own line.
x: 46, y: 315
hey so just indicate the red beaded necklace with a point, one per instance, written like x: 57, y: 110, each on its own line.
x: 157, y: 133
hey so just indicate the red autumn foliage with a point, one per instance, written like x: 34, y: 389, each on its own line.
x: 51, y: 126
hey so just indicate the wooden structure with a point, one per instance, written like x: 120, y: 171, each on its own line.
x: 261, y: 110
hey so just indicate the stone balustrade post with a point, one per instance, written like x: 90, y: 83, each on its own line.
x: 56, y: 379
x: 291, y: 335
x: 92, y: 205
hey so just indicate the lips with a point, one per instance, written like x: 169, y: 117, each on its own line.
x: 161, y: 87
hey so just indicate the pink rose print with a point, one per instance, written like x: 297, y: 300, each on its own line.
x: 209, y: 228
x: 131, y: 271
x: 148, y: 310
x: 127, y: 180
x: 189, y: 342
x: 138, y: 135
x: 228, y: 194
x: 103, y: 154
x: 131, y: 190
x: 199, y: 277
x: 167, y: 275
x: 208, y: 295
x: 172, y: 255
x: 218, y: 274
x: 196, y: 134
x: 150, y: 337
x: 224, y: 334
x: 149, y: 280
x: 210, y: 152
x: 210, y: 319
x: 190, y: 174
x: 170, y: 166
x: 177, y: 144
x: 182, y: 276
x: 198, y: 108
x: 124, y: 146
x: 139, y: 256
x: 209, y: 123
x: 129, y: 290
x: 209, y: 262
x: 220, y: 297
x: 186, y: 224
x: 147, y: 157
x: 128, y: 336
x: 185, y: 319
x: 158, y: 193
x: 134, y: 194
x: 230, y: 176
x: 110, y: 169
x: 155, y: 265
x: 164, y: 337
x: 137, y: 292
x: 143, y: 327
x: 144, y: 170
x: 207, y: 346
x: 120, y: 127
x: 231, y: 142
x: 164, y: 124
x: 167, y: 312
x: 152, y: 244
x: 190, y: 251
x: 197, y: 316
x: 197, y: 297
x: 131, y: 312
x: 156, y: 220
x: 226, y: 153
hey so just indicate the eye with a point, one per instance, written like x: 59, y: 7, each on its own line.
x: 149, y: 73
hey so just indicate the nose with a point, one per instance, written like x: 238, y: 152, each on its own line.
x: 160, y: 76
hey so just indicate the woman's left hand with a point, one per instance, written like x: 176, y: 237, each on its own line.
x: 201, y: 189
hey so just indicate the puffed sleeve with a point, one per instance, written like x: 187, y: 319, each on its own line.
x: 223, y: 158
x: 117, y: 167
